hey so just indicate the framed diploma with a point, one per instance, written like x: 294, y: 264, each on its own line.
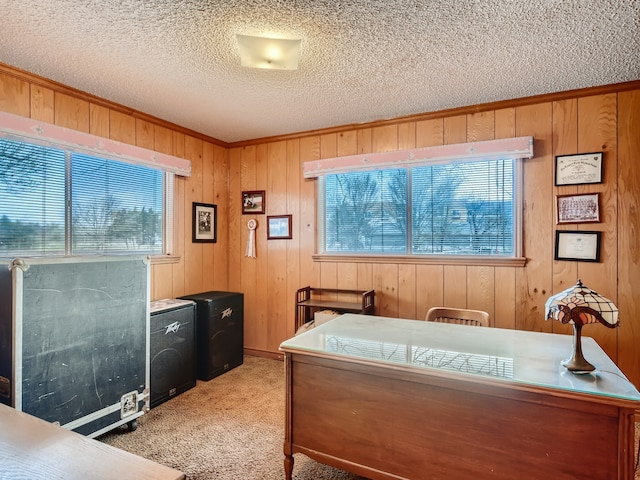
x: 580, y: 245
x: 579, y: 169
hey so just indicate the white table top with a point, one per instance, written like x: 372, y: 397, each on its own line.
x: 515, y: 356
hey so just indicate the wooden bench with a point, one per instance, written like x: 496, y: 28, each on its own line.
x: 311, y: 299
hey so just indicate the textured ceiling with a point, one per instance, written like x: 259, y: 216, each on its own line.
x: 361, y: 60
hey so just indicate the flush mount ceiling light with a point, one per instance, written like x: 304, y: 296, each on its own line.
x: 271, y: 53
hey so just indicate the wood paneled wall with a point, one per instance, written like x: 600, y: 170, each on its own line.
x: 197, y: 267
x: 604, y: 119
x: 514, y: 296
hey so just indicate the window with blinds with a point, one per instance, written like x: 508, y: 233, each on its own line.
x: 453, y: 208
x: 57, y: 202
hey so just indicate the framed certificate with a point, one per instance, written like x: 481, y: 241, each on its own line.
x: 581, y: 246
x: 579, y: 169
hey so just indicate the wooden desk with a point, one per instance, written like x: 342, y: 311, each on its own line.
x: 34, y: 449
x: 404, y: 399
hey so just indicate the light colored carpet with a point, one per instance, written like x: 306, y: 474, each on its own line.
x: 229, y: 428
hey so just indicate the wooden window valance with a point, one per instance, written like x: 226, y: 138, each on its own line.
x: 518, y: 147
x: 15, y: 127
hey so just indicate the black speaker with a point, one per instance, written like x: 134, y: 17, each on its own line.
x: 219, y: 332
x: 173, y: 349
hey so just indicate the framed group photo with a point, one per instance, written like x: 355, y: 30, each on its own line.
x: 204, y: 223
x: 583, y: 208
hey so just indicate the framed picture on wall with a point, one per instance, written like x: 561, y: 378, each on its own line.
x: 279, y: 227
x: 204, y: 223
x: 253, y: 202
x: 577, y: 245
x: 579, y: 169
x: 578, y: 208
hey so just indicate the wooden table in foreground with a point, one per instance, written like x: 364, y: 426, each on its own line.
x: 31, y: 448
x: 390, y: 398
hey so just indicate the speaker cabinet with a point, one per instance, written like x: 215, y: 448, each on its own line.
x: 173, y: 349
x: 219, y: 332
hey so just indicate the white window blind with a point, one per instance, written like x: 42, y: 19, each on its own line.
x: 435, y: 206
x: 56, y: 202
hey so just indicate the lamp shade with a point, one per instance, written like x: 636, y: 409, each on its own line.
x: 579, y: 306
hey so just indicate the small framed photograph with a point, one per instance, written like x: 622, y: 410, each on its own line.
x: 253, y: 202
x: 204, y: 222
x: 278, y: 227
x: 581, y: 246
x: 579, y: 169
x: 578, y: 208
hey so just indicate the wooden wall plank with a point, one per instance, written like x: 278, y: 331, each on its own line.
x: 385, y: 283
x: 385, y: 139
x: 406, y: 136
x: 99, y: 120
x: 504, y: 303
x: 628, y: 274
x: 505, y: 278
x: 455, y: 286
x: 15, y: 95
x: 144, y: 134
x: 407, y: 307
x: 481, y: 288
x: 238, y: 233
x: 221, y: 199
x: 182, y: 221
x: 42, y: 104
x: 481, y: 126
x: 347, y: 143
x: 505, y: 123
x: 294, y: 180
x: 209, y: 267
x: 597, y: 131
x: 535, y: 282
x: 565, y: 142
x: 277, y: 298
x: 193, y: 279
x: 71, y: 112
x: 248, y: 275
x: 122, y: 127
x: 430, y: 133
x: 263, y: 275
x: 455, y: 129
x: 429, y: 288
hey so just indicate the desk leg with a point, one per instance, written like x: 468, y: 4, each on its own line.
x: 288, y: 466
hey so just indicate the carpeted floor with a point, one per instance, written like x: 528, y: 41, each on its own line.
x: 229, y: 428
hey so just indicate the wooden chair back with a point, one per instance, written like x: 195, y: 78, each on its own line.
x: 460, y: 316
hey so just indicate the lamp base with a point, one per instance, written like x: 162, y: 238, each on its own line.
x: 578, y: 365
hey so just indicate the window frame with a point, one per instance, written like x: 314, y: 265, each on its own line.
x: 26, y: 130
x: 495, y: 149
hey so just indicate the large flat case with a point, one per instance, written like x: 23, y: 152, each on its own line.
x: 219, y: 332
x: 173, y: 348
x: 74, y: 340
